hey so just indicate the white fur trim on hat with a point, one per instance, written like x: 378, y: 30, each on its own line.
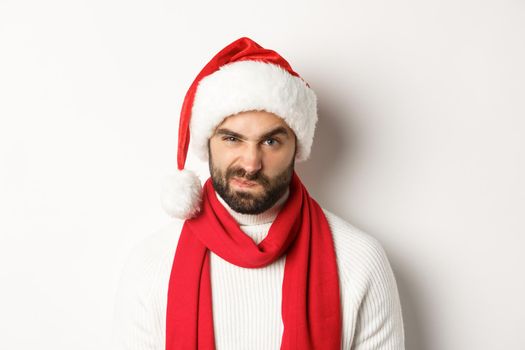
x: 253, y: 85
x: 181, y: 194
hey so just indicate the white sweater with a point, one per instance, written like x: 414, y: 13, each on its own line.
x: 247, y: 302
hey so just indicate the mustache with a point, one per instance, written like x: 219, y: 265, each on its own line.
x: 243, y: 174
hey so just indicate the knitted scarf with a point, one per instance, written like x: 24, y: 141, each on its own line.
x: 311, y: 310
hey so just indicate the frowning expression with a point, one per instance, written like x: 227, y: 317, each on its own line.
x: 252, y: 156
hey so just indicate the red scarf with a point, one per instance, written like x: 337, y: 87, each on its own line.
x: 311, y: 310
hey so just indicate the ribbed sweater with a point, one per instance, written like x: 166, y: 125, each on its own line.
x: 247, y: 302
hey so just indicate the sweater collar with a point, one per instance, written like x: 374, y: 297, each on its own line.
x: 265, y: 217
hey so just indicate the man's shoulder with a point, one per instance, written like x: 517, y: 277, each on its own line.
x: 159, y: 242
x: 359, y: 254
x: 152, y: 255
x: 141, y: 294
x: 343, y: 230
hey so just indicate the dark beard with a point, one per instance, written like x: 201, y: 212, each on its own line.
x: 247, y: 202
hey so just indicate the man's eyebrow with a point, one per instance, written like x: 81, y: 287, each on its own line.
x: 276, y: 131
x: 228, y: 132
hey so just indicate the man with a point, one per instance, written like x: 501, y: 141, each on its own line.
x: 253, y: 262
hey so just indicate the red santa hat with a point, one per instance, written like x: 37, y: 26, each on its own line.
x: 243, y: 76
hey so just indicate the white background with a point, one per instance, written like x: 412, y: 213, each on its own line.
x: 420, y: 143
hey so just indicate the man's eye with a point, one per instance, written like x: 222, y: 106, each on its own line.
x: 271, y: 142
x: 230, y: 139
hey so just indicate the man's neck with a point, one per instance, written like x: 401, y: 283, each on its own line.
x: 256, y: 219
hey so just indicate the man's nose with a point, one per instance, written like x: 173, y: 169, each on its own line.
x: 251, y: 159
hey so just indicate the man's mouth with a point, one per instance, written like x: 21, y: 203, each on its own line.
x: 243, y: 183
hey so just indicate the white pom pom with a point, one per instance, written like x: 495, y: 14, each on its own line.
x: 181, y: 194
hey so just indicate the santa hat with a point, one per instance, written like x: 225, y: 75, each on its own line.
x: 243, y: 76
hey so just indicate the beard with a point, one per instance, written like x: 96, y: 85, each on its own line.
x: 246, y: 202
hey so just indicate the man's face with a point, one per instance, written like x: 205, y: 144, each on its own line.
x: 251, y: 160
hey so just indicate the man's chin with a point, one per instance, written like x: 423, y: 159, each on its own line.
x: 243, y: 201
x: 251, y: 193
